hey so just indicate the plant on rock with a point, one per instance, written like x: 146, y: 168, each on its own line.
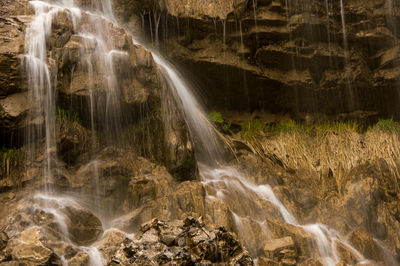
x: 216, y: 118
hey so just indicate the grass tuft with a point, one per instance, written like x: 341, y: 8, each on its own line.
x: 9, y: 159
x: 66, y: 115
x: 252, y: 129
x: 388, y: 126
x: 286, y: 126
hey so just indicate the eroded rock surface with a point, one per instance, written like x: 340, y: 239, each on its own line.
x: 178, y: 242
x: 283, y: 56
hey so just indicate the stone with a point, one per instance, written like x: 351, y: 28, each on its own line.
x: 364, y: 243
x: 29, y: 248
x: 273, y: 248
x: 302, y: 239
x: 83, y: 226
x: 13, y: 110
x: 80, y: 259
x: 177, y: 242
x: 272, y: 41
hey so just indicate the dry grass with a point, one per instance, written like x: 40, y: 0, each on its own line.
x: 330, y: 152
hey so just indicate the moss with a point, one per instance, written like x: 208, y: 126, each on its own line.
x: 255, y: 128
x: 387, y: 125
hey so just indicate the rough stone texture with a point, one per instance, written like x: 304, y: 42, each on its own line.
x: 303, y: 239
x: 178, y: 242
x: 280, y: 247
x: 141, y: 190
x: 141, y: 101
x: 34, y: 233
x: 285, y: 59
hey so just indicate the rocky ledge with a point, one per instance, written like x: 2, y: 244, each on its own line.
x: 282, y: 56
x: 56, y: 231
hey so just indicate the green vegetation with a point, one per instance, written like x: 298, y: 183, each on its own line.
x: 338, y: 126
x: 387, y: 125
x: 285, y: 126
x: 252, y: 129
x: 66, y: 115
x: 9, y: 158
x: 255, y: 128
x: 216, y: 118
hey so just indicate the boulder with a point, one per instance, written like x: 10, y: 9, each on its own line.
x: 83, y: 226
x: 28, y: 247
x: 303, y: 240
x: 13, y: 110
x: 281, y: 248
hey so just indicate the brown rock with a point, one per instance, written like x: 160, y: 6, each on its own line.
x: 13, y: 110
x: 302, y: 239
x: 277, y: 247
x: 364, y: 243
x: 29, y: 248
x: 83, y: 226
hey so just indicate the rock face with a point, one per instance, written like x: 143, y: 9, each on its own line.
x: 14, y: 17
x: 125, y: 97
x: 51, y: 231
x: 128, y: 154
x: 272, y: 56
x: 179, y: 242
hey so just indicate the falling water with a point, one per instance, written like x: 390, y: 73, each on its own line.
x: 288, y: 5
x: 328, y: 30
x: 235, y: 183
x: 41, y: 89
x: 209, y: 149
x: 350, y: 90
x: 55, y: 205
x: 207, y: 143
x: 345, y: 42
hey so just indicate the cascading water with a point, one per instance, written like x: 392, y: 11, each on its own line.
x: 208, y: 144
x: 352, y: 100
x: 231, y: 187
x: 223, y: 183
x: 43, y: 91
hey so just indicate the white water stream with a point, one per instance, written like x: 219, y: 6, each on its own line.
x: 209, y: 148
x: 211, y: 174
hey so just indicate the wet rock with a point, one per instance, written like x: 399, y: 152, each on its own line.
x: 83, y: 226
x: 282, y: 52
x: 28, y: 247
x: 346, y: 255
x: 302, y: 239
x: 72, y: 139
x: 193, y: 242
x: 364, y: 243
x: 280, y: 249
x: 79, y: 259
x: 12, y: 43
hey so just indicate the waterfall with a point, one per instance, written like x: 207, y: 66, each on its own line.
x: 236, y: 183
x: 214, y: 170
x: 208, y: 144
x: 352, y: 100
